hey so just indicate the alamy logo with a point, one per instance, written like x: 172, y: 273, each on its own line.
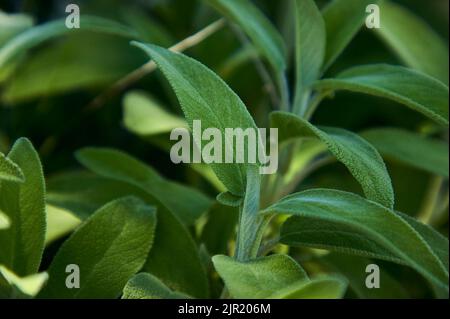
x: 373, y: 277
x: 73, y: 279
x: 373, y: 19
x: 238, y: 145
x: 73, y: 19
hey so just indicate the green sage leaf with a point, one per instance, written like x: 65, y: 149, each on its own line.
x: 352, y: 217
x: 204, y: 96
x: 361, y: 159
x: 123, y: 232
x: 24, y: 204
x: 147, y: 286
x: 10, y: 171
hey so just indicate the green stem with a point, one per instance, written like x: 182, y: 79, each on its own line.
x: 251, y: 223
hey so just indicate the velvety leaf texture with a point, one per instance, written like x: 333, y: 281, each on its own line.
x: 9, y: 170
x: 275, y: 277
x: 109, y: 248
x: 172, y: 241
x: 147, y: 286
x: 361, y: 159
x: 258, y: 278
x: 411, y: 88
x: 204, y: 96
x: 322, y: 287
x: 352, y: 213
x: 22, y: 244
x: 410, y: 148
x: 82, y: 194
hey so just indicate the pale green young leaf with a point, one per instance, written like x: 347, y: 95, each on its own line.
x: 24, y: 203
x: 147, y: 286
x: 109, y: 248
x: 60, y: 222
x: 257, y: 27
x: 310, y: 49
x: 411, y: 148
x: 343, y: 20
x: 258, y: 278
x: 411, y: 88
x: 187, y: 203
x: 44, y: 32
x: 61, y: 66
x: 15, y: 287
x: 12, y: 24
x: 10, y: 171
x: 361, y: 158
x: 321, y: 287
x: 361, y: 218
x: 413, y: 40
x: 204, y: 96
x: 4, y: 220
x: 144, y: 116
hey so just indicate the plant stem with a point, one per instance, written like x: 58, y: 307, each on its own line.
x: 251, y: 223
x: 150, y: 66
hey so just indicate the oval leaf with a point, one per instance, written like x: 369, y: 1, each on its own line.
x: 204, y: 96
x: 10, y: 171
x: 361, y: 159
x: 123, y: 232
x: 375, y: 223
x: 147, y: 286
x: 24, y: 204
x: 258, y: 278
